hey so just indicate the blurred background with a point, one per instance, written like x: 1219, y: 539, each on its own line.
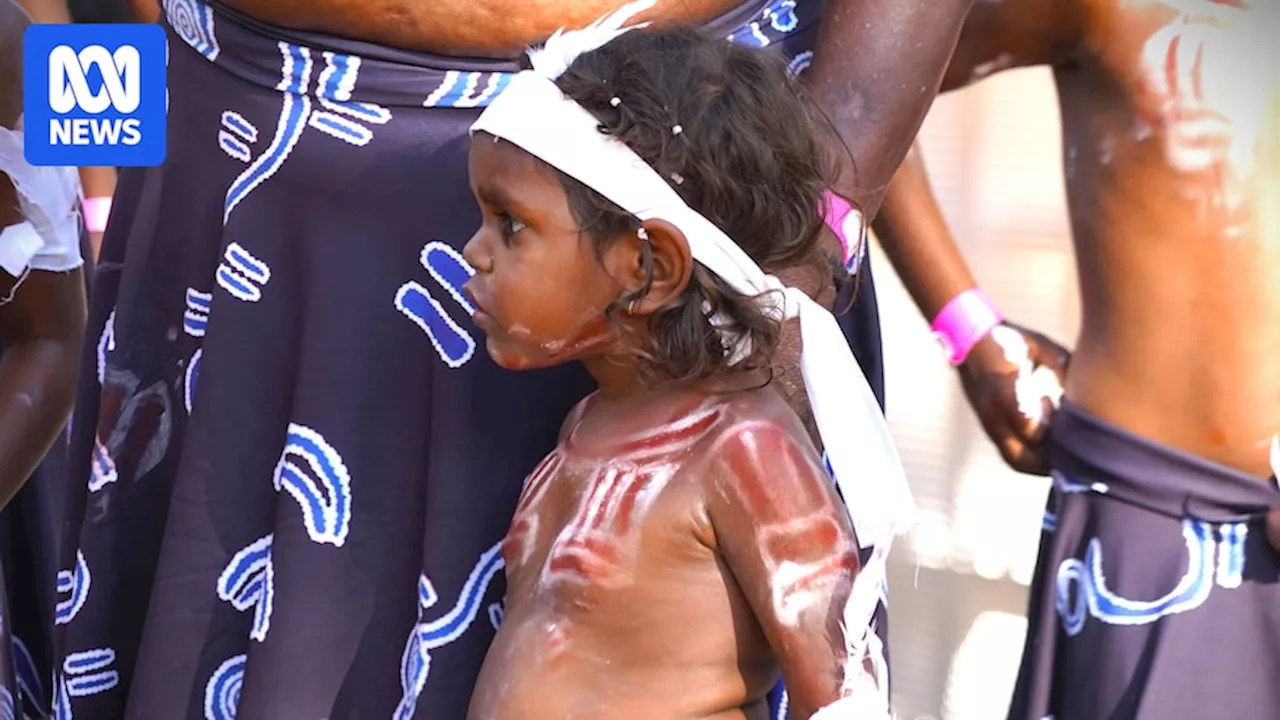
x: 958, y: 582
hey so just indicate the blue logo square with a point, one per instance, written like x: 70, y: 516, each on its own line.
x: 94, y: 94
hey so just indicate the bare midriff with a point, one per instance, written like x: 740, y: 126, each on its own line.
x: 554, y: 666
x: 468, y: 28
x: 1171, y: 133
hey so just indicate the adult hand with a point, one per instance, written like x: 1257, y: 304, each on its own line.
x: 1013, y: 379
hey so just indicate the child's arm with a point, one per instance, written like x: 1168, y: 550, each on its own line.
x: 787, y: 538
x: 98, y: 182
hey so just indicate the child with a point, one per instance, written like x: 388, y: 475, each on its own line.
x: 683, y: 542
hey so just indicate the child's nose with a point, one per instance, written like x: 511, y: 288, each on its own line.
x: 476, y: 254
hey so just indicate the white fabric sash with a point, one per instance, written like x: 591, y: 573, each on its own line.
x: 49, y: 201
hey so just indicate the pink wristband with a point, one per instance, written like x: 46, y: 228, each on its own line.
x: 96, y: 210
x: 846, y: 223
x: 964, y: 322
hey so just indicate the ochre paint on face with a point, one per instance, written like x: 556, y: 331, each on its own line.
x: 540, y: 290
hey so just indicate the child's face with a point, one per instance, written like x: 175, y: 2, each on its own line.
x: 540, y: 290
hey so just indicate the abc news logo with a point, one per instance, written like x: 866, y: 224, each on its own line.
x: 94, y: 94
x: 120, y: 89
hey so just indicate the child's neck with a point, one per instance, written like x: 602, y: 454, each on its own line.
x: 617, y: 375
x: 620, y: 378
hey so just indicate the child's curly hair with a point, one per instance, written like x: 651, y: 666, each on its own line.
x: 730, y: 130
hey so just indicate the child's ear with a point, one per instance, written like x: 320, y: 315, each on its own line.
x: 668, y: 256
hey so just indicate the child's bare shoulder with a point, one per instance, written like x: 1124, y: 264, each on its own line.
x: 758, y: 414
x: 696, y: 433
x: 760, y: 433
x: 764, y: 482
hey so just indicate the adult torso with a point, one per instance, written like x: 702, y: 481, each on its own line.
x: 473, y: 28
x: 1171, y: 133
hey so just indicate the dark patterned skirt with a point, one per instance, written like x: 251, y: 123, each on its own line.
x: 1156, y: 594
x: 293, y: 462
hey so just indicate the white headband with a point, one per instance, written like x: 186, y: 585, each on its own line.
x: 533, y: 114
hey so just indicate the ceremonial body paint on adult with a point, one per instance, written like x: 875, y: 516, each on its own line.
x: 1156, y: 590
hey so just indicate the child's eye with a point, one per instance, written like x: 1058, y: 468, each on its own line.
x: 510, y: 225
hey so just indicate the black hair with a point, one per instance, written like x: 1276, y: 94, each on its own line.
x: 729, y: 129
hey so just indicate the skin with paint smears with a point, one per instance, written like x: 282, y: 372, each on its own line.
x: 539, y: 290
x: 667, y: 559
x: 41, y: 324
x: 1171, y: 133
x: 682, y: 545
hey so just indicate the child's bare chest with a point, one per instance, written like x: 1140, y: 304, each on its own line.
x: 592, y: 528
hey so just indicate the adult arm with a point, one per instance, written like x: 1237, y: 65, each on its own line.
x: 42, y: 326
x: 41, y: 331
x: 47, y: 11
x: 146, y: 11
x: 916, y: 239
x: 13, y: 22
x: 97, y: 181
x: 910, y: 227
x: 876, y: 68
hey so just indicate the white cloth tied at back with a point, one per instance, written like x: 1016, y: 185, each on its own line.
x: 533, y: 114
x: 49, y: 201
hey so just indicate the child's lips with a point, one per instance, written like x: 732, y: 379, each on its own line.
x: 484, y: 321
x: 478, y: 314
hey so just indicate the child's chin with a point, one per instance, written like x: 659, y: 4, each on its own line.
x: 510, y: 358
